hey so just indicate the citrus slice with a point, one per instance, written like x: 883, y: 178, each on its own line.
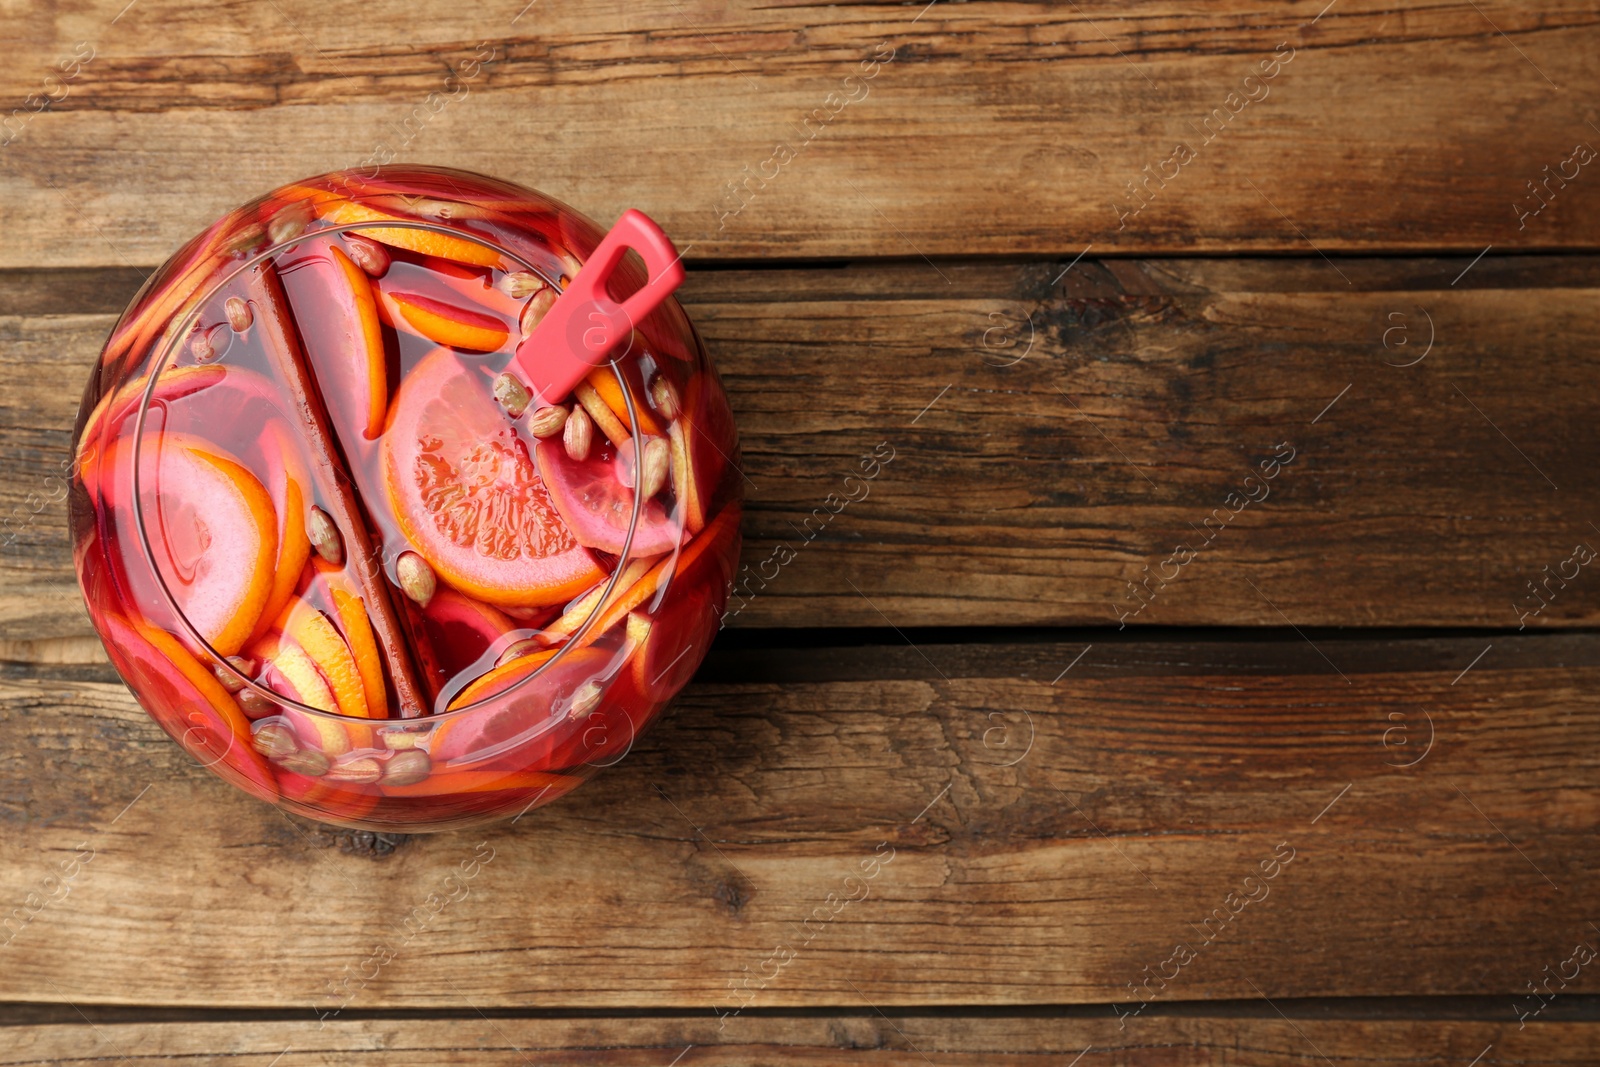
x: 350, y: 612
x: 524, y: 723
x: 703, y: 447
x: 707, y: 550
x: 287, y: 670
x: 427, y: 242
x: 608, y: 733
x: 671, y: 643
x: 611, y: 424
x: 581, y: 609
x: 289, y: 485
x: 603, y: 380
x: 290, y: 672
x: 323, y: 798
x: 443, y: 323
x: 475, y: 286
x: 468, y: 497
x: 448, y: 782
x: 461, y: 629
x: 188, y: 702
x: 500, y: 678
x: 596, y: 506
x: 169, y: 287
x: 325, y: 646
x: 105, y: 420
x: 342, y: 333
x: 213, y: 533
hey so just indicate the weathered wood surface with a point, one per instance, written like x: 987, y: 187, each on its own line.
x: 1055, y: 440
x: 958, y: 825
x: 860, y: 1037
x: 994, y: 129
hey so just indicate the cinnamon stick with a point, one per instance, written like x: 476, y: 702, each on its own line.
x: 283, y: 346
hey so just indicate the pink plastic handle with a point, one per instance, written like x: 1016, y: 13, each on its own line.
x: 585, y: 325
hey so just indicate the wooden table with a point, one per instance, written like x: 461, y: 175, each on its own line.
x: 991, y: 770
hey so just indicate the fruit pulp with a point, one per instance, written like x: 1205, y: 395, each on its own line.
x: 340, y: 553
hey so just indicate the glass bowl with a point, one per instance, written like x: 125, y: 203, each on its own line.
x: 346, y: 554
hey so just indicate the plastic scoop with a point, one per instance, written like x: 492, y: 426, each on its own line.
x: 585, y: 325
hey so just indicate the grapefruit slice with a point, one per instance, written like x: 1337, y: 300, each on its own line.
x: 462, y: 629
x: 188, y: 702
x: 213, y: 532
x: 468, y: 497
x: 596, y: 506
x: 342, y: 333
x: 443, y: 323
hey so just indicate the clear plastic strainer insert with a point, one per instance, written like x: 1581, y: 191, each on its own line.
x: 406, y: 499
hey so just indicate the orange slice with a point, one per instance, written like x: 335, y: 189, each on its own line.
x: 447, y: 782
x: 106, y: 419
x: 213, y: 532
x: 444, y: 323
x: 170, y: 291
x: 174, y: 383
x: 289, y: 194
x: 188, y: 701
x: 711, y: 542
x: 320, y: 798
x: 603, y: 380
x: 350, y: 612
x: 288, y: 483
x: 292, y: 673
x: 703, y: 447
x: 310, y: 629
x: 574, y: 616
x: 427, y: 242
x: 670, y: 644
x: 369, y: 355
x: 610, y: 424
x: 522, y: 723
x: 474, y: 285
x: 499, y: 678
x: 343, y: 334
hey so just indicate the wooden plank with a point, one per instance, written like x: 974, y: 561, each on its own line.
x: 994, y: 129
x: 1056, y: 438
x: 854, y: 1038
x: 1034, y: 823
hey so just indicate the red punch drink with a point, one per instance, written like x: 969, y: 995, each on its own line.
x: 392, y: 515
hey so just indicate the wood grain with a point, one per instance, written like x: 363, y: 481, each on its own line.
x: 1055, y: 438
x: 995, y: 129
x: 1024, y: 823
x: 859, y: 1037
